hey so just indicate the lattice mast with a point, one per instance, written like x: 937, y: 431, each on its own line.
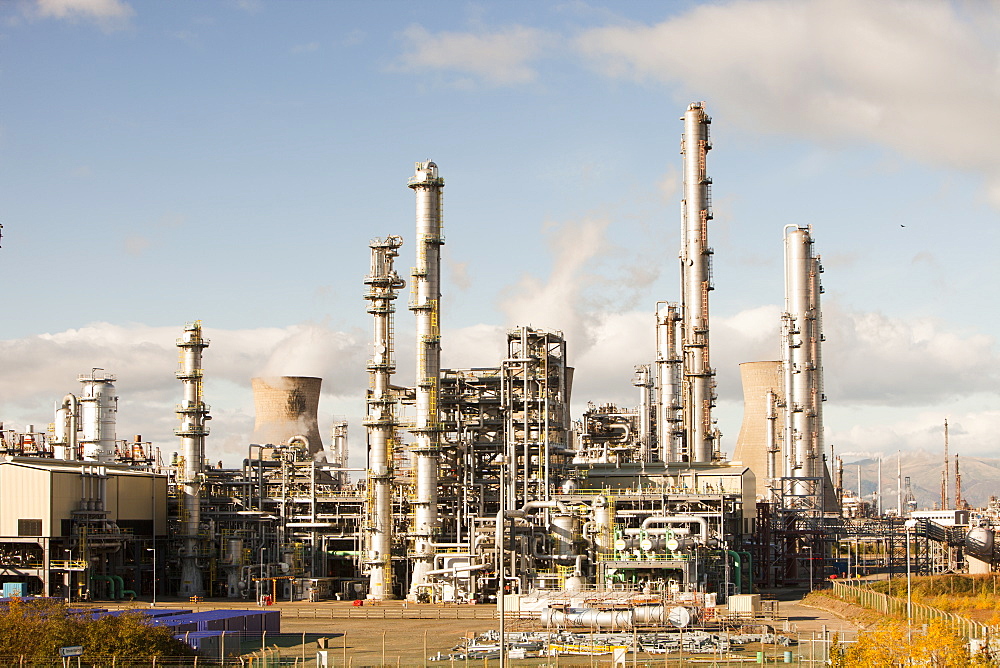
x: 383, y: 284
x: 426, y: 306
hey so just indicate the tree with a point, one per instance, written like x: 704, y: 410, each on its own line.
x: 888, y: 646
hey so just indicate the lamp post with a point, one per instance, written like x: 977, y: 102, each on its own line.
x: 260, y: 587
x: 69, y: 575
x: 908, y: 524
x: 501, y: 540
x: 153, y: 550
x: 810, y: 567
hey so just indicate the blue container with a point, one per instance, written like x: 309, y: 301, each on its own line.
x: 158, y: 612
x: 255, y: 622
x: 272, y: 621
x: 179, y: 624
x: 212, y: 644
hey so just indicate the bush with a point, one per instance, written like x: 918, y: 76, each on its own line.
x: 37, y: 629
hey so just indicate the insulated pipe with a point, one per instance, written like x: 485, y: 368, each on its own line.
x: 193, y: 413
x: 384, y: 283
x: 457, y: 569
x: 696, y: 282
x: 603, y: 619
x: 300, y: 439
x: 426, y: 306
x: 680, y: 519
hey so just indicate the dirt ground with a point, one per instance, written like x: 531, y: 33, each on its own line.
x: 398, y: 634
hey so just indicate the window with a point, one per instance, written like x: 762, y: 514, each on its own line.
x: 29, y: 527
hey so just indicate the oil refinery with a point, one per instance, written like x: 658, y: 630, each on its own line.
x: 480, y: 486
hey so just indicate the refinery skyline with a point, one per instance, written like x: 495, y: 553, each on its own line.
x: 230, y: 162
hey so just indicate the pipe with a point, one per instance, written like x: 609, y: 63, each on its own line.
x: 111, y: 584
x: 603, y: 619
x: 738, y: 569
x: 749, y: 561
x: 680, y: 519
x: 458, y: 569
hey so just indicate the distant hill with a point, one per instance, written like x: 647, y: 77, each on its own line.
x: 980, y: 478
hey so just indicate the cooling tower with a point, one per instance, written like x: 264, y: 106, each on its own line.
x: 761, y: 380
x: 287, y: 406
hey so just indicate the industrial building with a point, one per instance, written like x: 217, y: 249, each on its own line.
x: 479, y: 481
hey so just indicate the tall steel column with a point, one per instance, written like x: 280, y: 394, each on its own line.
x: 696, y: 282
x: 668, y: 381
x: 426, y: 305
x: 338, y: 450
x: 193, y: 413
x: 802, y: 338
x: 383, y: 283
x: 644, y: 381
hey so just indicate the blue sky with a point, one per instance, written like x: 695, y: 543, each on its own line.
x: 162, y: 162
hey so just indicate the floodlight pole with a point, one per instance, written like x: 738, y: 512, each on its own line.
x: 69, y: 572
x: 153, y: 550
x: 908, y: 524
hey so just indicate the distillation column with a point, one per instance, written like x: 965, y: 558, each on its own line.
x: 644, y: 382
x: 383, y: 283
x: 193, y: 413
x: 338, y: 448
x: 98, y: 406
x: 425, y: 304
x: 668, y: 381
x: 696, y: 282
x: 802, y: 337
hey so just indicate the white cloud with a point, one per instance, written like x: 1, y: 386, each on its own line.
x: 42, y: 369
x: 136, y: 245
x: 310, y: 47
x: 560, y: 302
x: 499, y: 58
x: 916, y: 76
x: 877, y: 360
x: 971, y: 433
x: 110, y: 14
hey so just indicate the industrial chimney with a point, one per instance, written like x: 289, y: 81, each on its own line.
x: 287, y: 406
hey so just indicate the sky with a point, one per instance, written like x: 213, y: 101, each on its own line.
x: 230, y: 161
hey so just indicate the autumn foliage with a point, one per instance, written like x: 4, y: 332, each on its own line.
x: 887, y: 646
x: 35, y: 630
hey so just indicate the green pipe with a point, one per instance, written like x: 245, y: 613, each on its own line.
x: 105, y: 578
x: 121, y: 586
x: 738, y: 567
x: 749, y: 558
x: 129, y: 591
x: 344, y: 553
